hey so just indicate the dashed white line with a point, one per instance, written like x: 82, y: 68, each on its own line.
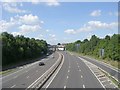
x: 67, y: 77
x: 83, y: 86
x: 68, y: 70
x: 64, y: 87
x: 13, y: 86
x: 78, y: 66
x: 81, y: 76
x: 28, y: 76
x: 79, y: 70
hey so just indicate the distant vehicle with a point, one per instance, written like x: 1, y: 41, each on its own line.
x: 41, y: 63
x: 47, y: 54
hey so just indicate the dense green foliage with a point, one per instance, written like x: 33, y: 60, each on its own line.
x: 111, y: 46
x: 20, y: 48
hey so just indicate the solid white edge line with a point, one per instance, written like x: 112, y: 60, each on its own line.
x: 103, y: 71
x: 107, y: 65
x: 83, y: 86
x: 93, y: 74
x: 56, y: 73
x: 13, y: 86
x: 20, y: 70
x: 40, y: 76
x: 64, y: 87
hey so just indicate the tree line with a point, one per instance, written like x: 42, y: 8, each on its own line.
x: 19, y: 48
x: 110, y: 45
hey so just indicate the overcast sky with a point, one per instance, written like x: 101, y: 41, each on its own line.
x: 60, y: 21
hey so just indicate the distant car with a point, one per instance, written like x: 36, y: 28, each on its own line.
x: 47, y: 54
x: 41, y: 63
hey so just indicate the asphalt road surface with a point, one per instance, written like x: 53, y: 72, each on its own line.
x: 26, y: 76
x: 114, y: 72
x: 74, y: 74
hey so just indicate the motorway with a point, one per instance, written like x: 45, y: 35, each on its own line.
x: 109, y: 69
x: 27, y: 75
x: 73, y: 73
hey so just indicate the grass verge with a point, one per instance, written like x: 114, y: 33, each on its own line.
x: 7, y: 72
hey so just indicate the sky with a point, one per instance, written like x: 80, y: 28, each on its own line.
x: 59, y: 22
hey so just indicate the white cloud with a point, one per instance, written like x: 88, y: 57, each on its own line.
x: 29, y: 19
x: 93, y: 25
x: 96, y: 13
x: 47, y: 30
x: 70, y: 31
x: 25, y: 29
x: 24, y: 24
x: 12, y: 7
x: 41, y: 35
x: 16, y: 33
x: 4, y: 25
x: 52, y: 35
x: 29, y: 28
x: 52, y: 3
x: 47, y: 2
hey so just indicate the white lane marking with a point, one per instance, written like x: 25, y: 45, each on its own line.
x: 67, y: 77
x: 28, y: 76
x: 13, y: 86
x: 41, y: 76
x: 68, y: 70
x: 26, y: 71
x: 21, y: 70
x: 78, y: 66
x: 64, y: 87
x: 79, y: 70
x: 92, y: 72
x: 105, y: 64
x: 69, y: 67
x: 83, y: 86
x: 81, y: 76
x: 105, y: 81
x: 56, y: 73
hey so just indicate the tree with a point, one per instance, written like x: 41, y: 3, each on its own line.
x: 20, y: 48
x: 111, y: 46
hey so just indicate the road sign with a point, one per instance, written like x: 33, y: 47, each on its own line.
x: 101, y: 52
